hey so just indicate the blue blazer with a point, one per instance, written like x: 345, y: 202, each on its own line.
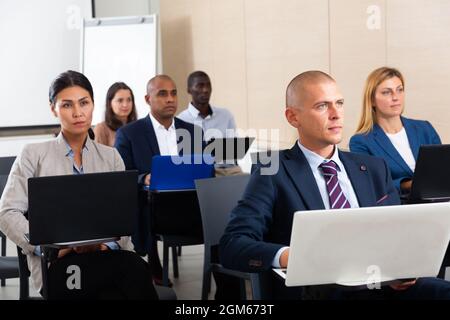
x: 137, y: 144
x: 377, y: 143
x: 261, y: 223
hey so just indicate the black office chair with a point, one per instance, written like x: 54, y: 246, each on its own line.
x: 217, y: 197
x: 164, y: 293
x: 24, y: 275
x: 9, y: 266
x: 176, y: 221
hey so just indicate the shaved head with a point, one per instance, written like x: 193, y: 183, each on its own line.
x: 151, y: 83
x: 296, y: 89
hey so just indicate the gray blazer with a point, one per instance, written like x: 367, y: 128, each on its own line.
x: 47, y: 159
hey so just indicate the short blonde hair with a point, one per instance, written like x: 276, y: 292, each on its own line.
x: 375, y: 78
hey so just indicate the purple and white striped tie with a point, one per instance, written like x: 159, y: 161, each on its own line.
x: 335, y: 194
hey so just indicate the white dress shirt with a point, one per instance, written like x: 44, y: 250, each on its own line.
x: 219, y: 124
x: 167, y: 138
x: 314, y: 160
x: 400, y: 141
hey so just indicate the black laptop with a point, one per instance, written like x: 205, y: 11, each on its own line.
x: 431, y: 180
x: 72, y: 208
x: 228, y: 150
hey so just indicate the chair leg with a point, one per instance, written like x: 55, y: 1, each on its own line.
x: 165, y: 264
x: 24, y: 293
x: 243, y: 290
x: 3, y: 282
x: 179, y: 250
x: 175, y: 262
x: 206, y: 285
x: 3, y: 246
x: 256, y: 286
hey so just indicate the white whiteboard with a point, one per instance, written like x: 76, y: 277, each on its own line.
x: 120, y: 49
x: 39, y: 40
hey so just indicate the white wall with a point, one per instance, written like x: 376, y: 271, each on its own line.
x: 12, y: 146
x: 39, y: 40
x: 121, y: 8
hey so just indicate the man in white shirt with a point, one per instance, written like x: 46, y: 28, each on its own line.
x: 215, y: 122
x: 159, y: 133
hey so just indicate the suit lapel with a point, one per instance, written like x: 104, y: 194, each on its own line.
x: 151, y: 136
x: 359, y: 177
x: 180, y: 146
x: 413, y: 137
x: 384, y: 143
x: 300, y: 172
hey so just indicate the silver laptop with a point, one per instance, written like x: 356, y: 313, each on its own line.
x: 365, y: 246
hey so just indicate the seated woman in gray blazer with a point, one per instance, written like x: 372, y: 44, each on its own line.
x: 113, y: 270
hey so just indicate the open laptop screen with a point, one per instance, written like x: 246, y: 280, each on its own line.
x: 431, y: 180
x: 228, y: 150
x: 81, y: 207
x: 172, y: 173
x: 359, y: 246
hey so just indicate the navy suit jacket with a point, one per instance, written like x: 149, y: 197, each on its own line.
x: 377, y: 143
x: 137, y: 143
x: 261, y: 223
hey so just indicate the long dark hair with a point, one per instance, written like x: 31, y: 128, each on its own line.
x: 69, y: 79
x: 111, y: 119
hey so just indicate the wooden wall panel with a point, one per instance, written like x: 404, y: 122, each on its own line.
x: 418, y: 40
x: 283, y: 39
x: 357, y: 46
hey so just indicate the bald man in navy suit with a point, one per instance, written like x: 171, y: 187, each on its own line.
x: 258, y: 234
x: 159, y: 133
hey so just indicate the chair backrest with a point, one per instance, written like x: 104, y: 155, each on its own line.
x: 267, y: 159
x: 217, y: 197
x: 5, y: 167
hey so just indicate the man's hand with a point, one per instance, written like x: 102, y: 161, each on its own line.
x: 83, y: 249
x: 284, y: 257
x: 405, y: 185
x: 90, y: 248
x: 147, y: 180
x: 63, y: 252
x: 403, y: 286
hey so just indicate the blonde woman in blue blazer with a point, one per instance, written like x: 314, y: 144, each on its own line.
x: 383, y: 132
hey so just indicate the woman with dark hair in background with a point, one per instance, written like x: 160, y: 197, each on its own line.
x: 120, y: 109
x: 112, y: 269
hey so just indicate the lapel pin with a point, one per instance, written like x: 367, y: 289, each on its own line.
x: 363, y: 168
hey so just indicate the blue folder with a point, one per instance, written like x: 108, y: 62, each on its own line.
x: 170, y: 173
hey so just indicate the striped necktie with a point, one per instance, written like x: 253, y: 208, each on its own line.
x: 335, y: 194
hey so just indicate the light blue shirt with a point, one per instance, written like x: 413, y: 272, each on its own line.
x: 78, y: 170
x: 219, y: 124
x: 314, y: 160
